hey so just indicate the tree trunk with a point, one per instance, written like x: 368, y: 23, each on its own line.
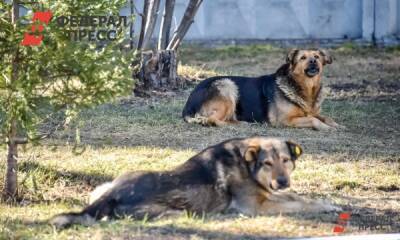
x: 186, y: 21
x: 151, y: 18
x: 159, y: 71
x: 165, y: 27
x: 10, y: 190
x: 143, y: 23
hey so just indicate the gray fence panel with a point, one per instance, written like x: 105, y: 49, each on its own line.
x: 289, y: 19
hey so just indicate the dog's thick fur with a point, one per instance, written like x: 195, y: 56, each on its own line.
x: 239, y: 174
x: 290, y: 97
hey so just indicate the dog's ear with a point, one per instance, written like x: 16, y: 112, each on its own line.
x: 291, y: 56
x: 327, y: 58
x: 294, y: 149
x: 251, y: 153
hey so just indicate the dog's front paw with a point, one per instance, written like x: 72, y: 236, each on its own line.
x: 331, y: 123
x: 325, y: 127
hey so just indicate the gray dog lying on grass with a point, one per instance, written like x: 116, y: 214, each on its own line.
x: 245, y: 175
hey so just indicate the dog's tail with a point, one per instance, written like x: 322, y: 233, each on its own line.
x: 65, y: 220
x: 223, y: 88
x: 101, y: 206
x: 98, y: 207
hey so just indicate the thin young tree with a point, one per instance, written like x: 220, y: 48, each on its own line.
x: 58, y: 76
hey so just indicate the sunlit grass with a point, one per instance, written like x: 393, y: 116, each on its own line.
x: 63, y: 181
x: 357, y: 168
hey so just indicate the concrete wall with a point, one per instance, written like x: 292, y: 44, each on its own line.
x: 278, y: 19
x: 290, y: 19
x: 386, y: 23
x: 398, y: 19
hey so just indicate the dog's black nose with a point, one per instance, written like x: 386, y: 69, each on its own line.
x: 313, y: 61
x: 282, y: 181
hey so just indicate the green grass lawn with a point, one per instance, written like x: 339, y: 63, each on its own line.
x: 357, y: 168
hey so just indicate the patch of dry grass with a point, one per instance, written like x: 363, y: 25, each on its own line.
x: 195, y: 73
x: 357, y: 168
x: 57, y: 180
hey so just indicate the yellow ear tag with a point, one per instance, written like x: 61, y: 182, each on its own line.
x: 297, y: 150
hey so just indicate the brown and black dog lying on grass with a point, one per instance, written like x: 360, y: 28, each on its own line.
x: 290, y: 97
x: 239, y: 174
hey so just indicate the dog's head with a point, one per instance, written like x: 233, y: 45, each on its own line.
x: 307, y: 63
x: 271, y: 161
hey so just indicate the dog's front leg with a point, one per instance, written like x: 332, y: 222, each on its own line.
x: 292, y: 203
x: 329, y: 121
x: 309, y: 122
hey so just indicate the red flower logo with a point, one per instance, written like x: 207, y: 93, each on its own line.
x: 342, y: 222
x: 42, y: 18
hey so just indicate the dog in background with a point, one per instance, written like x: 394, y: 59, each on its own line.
x: 243, y: 175
x: 290, y: 97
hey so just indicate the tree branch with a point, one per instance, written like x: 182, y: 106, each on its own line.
x: 137, y: 11
x: 187, y: 20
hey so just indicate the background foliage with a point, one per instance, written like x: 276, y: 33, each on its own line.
x: 60, y: 74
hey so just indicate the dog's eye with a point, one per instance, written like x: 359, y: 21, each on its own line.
x: 303, y: 57
x: 316, y: 56
x: 285, y: 160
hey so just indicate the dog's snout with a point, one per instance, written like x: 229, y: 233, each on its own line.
x: 313, y: 61
x: 282, y: 181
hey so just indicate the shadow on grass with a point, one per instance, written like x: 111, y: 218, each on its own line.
x: 174, y: 232
x: 159, y: 124
x: 73, y: 177
x: 359, y: 217
x: 138, y: 231
x: 39, y: 181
